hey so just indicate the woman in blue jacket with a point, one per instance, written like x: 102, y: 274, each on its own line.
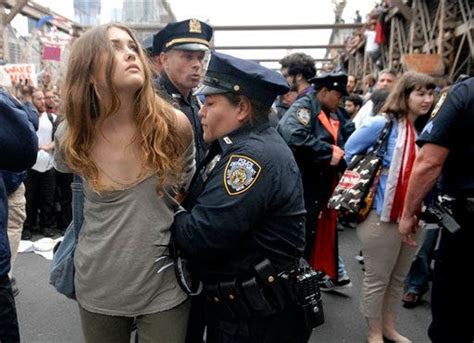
x: 387, y: 260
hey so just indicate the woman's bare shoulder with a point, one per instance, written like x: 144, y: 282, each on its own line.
x: 185, y: 129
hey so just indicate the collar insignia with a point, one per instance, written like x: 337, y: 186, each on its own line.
x: 439, y: 104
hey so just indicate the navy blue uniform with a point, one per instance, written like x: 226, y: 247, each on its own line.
x: 451, y: 126
x: 18, y: 149
x: 245, y: 204
x: 189, y: 106
x: 304, y: 130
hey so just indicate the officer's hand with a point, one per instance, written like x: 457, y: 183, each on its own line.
x: 408, y: 227
x: 337, y: 155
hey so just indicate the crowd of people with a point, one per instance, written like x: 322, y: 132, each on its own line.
x: 187, y: 152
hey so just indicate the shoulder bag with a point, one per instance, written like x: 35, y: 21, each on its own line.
x: 61, y: 270
x: 354, y: 194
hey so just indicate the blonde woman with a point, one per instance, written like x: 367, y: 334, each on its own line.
x: 386, y: 259
x: 133, y: 152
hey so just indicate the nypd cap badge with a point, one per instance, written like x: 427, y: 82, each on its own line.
x: 304, y: 115
x: 240, y: 174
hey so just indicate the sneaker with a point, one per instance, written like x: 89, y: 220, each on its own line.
x: 15, y: 291
x: 327, y: 284
x: 26, y: 235
x: 47, y: 232
x: 411, y: 300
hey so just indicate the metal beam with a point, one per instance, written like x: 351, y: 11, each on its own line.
x: 275, y: 47
x: 278, y: 59
x: 35, y: 11
x: 15, y: 10
x: 157, y: 27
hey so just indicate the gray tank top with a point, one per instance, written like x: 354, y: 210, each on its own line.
x: 118, y: 254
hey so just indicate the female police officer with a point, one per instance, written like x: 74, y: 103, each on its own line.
x: 244, y: 222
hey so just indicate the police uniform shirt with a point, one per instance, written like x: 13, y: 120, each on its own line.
x: 303, y: 130
x: 247, y: 206
x: 189, y: 106
x: 451, y: 126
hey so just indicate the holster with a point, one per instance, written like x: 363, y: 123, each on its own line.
x: 269, y: 277
x: 217, y: 303
x: 234, y: 298
x: 257, y: 299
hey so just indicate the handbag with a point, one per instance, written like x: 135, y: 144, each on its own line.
x: 355, y: 192
x: 61, y: 270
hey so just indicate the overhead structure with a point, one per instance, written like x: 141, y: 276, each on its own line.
x: 431, y: 36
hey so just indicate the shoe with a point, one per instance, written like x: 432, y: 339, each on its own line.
x: 47, y: 232
x: 26, y: 235
x: 327, y: 284
x: 411, y: 300
x: 15, y: 291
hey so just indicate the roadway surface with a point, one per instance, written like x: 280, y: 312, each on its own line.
x: 47, y: 316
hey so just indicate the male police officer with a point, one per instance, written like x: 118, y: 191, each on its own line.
x: 182, y: 47
x: 446, y: 147
x: 244, y: 223
x: 314, y: 128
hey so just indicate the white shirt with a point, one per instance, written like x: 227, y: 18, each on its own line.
x: 364, y: 113
x: 44, y: 159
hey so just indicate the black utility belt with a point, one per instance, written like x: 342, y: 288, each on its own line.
x: 267, y: 293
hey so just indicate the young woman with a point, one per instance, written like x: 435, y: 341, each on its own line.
x: 133, y: 152
x: 387, y: 260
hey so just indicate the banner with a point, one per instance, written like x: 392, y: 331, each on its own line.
x: 19, y: 72
x: 51, y: 52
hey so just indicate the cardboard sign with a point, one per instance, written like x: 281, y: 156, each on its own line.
x: 19, y: 72
x: 5, y: 80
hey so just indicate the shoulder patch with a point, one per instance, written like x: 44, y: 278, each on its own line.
x: 304, y: 115
x: 240, y: 174
x: 439, y: 104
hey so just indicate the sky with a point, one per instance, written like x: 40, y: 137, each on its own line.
x: 250, y: 12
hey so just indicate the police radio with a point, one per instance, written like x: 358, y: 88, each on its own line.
x: 303, y: 285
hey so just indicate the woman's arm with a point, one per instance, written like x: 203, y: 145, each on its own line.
x: 185, y: 131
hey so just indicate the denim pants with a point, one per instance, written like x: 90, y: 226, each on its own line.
x: 420, y: 270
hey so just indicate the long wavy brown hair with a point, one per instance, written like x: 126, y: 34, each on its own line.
x: 157, y: 133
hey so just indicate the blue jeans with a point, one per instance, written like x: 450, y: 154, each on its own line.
x: 341, y: 268
x: 417, y: 279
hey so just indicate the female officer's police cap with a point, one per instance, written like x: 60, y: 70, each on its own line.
x: 229, y: 74
x: 190, y: 34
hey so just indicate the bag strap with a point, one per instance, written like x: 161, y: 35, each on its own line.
x: 77, y: 204
x: 380, y: 146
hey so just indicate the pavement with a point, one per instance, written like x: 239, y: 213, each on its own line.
x: 47, y: 316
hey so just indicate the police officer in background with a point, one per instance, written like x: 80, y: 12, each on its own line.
x: 314, y: 128
x: 244, y: 219
x: 182, y: 48
x: 447, y: 147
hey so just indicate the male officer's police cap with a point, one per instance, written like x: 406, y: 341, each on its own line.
x: 190, y: 34
x: 331, y: 81
x: 229, y: 74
